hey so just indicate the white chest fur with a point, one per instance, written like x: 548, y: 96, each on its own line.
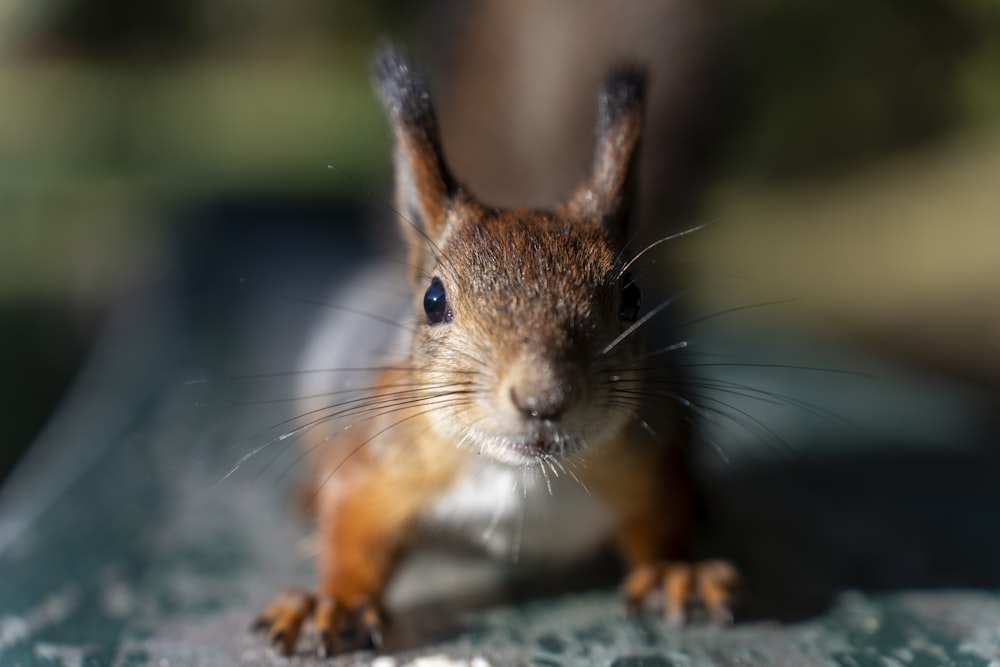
x: 520, y: 513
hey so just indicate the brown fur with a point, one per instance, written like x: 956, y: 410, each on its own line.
x: 520, y: 371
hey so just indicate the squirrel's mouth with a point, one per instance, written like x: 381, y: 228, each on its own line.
x: 544, y: 443
x: 539, y: 446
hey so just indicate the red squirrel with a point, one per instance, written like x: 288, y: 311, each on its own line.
x: 523, y: 367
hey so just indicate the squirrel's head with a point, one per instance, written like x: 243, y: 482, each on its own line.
x: 524, y: 316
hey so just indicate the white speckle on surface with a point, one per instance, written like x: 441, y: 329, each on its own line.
x: 12, y: 630
x: 65, y: 655
x: 116, y: 597
x: 904, y: 655
x: 50, y: 611
x: 445, y: 661
x: 925, y: 645
x: 384, y: 661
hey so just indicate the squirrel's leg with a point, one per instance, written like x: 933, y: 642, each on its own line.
x: 655, y: 533
x: 362, y: 532
x: 361, y: 538
x: 656, y: 546
x: 365, y: 514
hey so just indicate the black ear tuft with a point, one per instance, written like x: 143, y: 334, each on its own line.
x: 403, y: 89
x: 425, y: 187
x: 623, y: 96
x: 607, y: 195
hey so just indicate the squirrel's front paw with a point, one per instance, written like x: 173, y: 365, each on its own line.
x: 710, y: 585
x: 284, y: 617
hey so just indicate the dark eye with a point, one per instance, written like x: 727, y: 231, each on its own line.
x: 436, y: 303
x: 631, y: 301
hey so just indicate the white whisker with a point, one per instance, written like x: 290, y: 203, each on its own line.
x: 652, y: 245
x: 545, y: 474
x: 572, y: 474
x: 642, y: 320
x: 679, y: 345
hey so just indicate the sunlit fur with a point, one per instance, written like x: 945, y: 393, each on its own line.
x: 535, y: 299
x: 531, y: 383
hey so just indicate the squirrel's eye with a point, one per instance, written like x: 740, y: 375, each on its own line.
x: 631, y: 301
x: 436, y: 303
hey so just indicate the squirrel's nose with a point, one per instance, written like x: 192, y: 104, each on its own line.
x: 546, y: 401
x: 546, y: 405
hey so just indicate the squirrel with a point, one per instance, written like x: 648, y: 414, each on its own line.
x: 523, y: 367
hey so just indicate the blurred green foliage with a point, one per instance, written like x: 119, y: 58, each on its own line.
x: 113, y: 109
x: 828, y: 84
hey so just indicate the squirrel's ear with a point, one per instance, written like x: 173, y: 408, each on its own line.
x: 424, y: 186
x: 607, y: 194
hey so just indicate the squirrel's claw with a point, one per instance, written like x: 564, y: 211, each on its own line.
x: 329, y: 619
x: 371, y: 625
x: 284, y: 617
x: 710, y: 585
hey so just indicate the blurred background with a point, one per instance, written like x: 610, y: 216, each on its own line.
x: 168, y: 213
x: 848, y: 153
